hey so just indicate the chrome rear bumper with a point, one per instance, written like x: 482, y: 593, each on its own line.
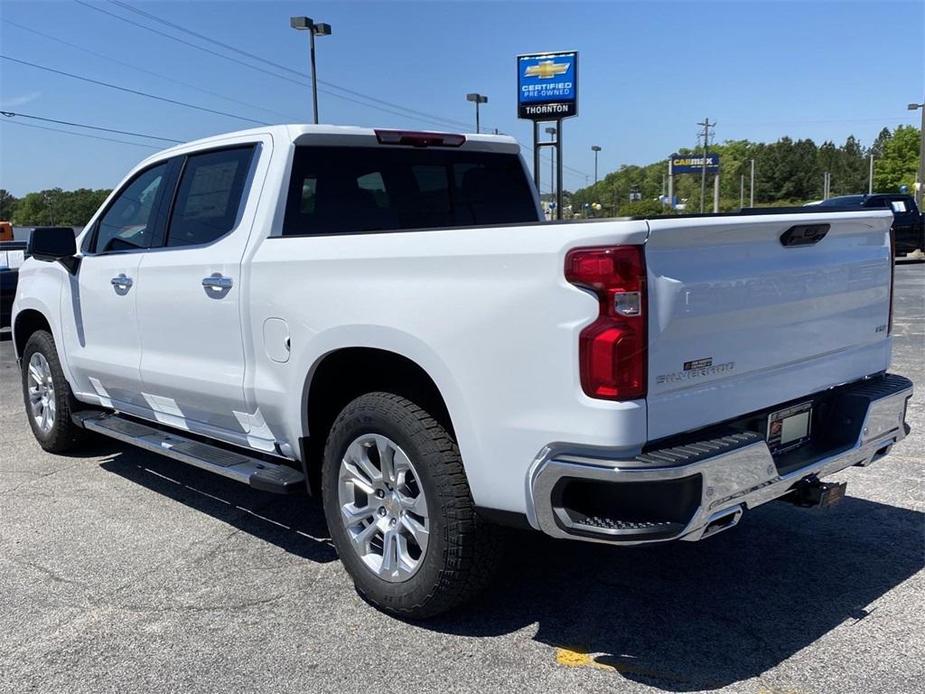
x: 726, y: 475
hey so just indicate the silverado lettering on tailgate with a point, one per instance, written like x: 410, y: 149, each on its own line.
x: 698, y: 368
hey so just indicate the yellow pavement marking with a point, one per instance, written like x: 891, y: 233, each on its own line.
x: 570, y: 658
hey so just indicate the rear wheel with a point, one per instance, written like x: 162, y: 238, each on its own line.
x: 47, y: 395
x: 399, y: 509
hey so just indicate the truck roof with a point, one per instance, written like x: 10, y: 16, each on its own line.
x: 339, y: 135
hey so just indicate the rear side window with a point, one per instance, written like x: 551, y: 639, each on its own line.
x: 209, y: 196
x: 129, y: 223
x: 335, y: 190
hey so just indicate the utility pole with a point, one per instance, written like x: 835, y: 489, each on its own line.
x: 751, y: 187
x: 703, y: 171
x: 741, y: 191
x: 870, y: 176
x: 920, y: 193
x: 595, y: 149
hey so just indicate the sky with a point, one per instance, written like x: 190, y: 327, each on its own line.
x: 648, y: 72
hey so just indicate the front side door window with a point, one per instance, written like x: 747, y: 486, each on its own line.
x: 129, y: 222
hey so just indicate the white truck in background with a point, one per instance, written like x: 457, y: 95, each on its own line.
x: 380, y: 316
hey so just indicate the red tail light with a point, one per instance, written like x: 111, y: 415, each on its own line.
x: 612, y: 350
x: 419, y: 139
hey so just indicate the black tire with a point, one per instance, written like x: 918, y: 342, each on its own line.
x: 63, y: 435
x: 463, y: 549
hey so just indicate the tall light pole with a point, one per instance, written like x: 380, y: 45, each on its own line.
x: 478, y: 99
x: 552, y: 163
x: 920, y: 194
x: 313, y: 29
x: 751, y: 186
x: 595, y: 149
x: 870, y: 176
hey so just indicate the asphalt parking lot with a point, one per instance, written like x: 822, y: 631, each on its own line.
x: 126, y: 572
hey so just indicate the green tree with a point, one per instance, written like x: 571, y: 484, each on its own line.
x: 850, y: 174
x: 787, y: 172
x: 898, y: 162
x: 8, y: 203
x: 32, y: 210
x: 58, y: 207
x: 880, y: 142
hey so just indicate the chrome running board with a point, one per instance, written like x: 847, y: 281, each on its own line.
x: 235, y: 465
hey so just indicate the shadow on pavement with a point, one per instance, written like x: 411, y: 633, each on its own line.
x: 691, y: 616
x: 293, y: 523
x: 681, y: 616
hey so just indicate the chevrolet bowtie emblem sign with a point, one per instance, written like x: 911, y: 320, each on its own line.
x: 547, y: 85
x: 546, y: 70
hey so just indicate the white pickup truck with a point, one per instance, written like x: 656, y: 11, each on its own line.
x: 380, y: 316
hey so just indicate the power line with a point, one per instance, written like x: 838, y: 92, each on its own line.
x: 11, y: 114
x: 132, y: 91
x: 216, y: 42
x: 284, y: 68
x: 386, y: 107
x: 71, y: 132
x: 430, y: 117
x: 144, y: 70
x: 442, y: 122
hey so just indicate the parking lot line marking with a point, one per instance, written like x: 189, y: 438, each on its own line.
x: 571, y: 658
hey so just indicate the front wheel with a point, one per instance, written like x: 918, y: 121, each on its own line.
x: 47, y: 395
x: 399, y: 509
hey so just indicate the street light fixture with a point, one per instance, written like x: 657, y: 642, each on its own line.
x: 314, y: 29
x: 477, y: 99
x: 595, y: 149
x: 552, y: 163
x: 920, y: 193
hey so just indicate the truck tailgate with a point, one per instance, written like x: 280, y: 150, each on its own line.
x: 739, y: 322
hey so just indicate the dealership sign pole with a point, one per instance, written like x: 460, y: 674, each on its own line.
x: 547, y: 90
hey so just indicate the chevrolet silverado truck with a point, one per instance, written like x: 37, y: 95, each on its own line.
x: 382, y: 317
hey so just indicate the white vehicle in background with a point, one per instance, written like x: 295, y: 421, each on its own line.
x: 380, y: 315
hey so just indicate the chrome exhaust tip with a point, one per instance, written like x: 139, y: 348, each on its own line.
x: 722, y: 520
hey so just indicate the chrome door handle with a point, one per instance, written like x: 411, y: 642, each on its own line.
x: 217, y: 281
x: 121, y: 282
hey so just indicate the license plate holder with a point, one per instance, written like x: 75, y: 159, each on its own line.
x: 789, y: 428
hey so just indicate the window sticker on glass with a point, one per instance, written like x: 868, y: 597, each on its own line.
x: 15, y: 259
x: 898, y: 205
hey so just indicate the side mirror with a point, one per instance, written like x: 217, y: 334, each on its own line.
x: 51, y: 244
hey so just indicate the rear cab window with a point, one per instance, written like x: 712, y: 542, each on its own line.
x: 337, y: 190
